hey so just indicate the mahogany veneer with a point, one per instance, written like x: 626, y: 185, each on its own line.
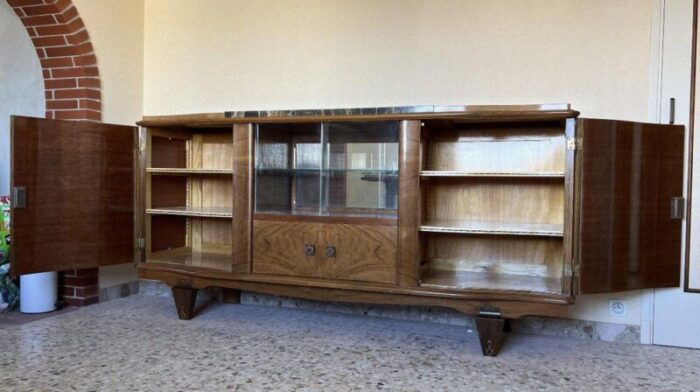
x: 496, y: 211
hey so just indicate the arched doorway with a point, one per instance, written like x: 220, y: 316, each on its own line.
x: 72, y: 92
x: 68, y: 62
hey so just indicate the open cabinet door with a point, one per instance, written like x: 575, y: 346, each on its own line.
x: 72, y: 195
x: 628, y: 175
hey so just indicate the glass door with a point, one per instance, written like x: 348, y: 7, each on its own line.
x: 288, y: 169
x: 327, y: 169
x: 361, y: 168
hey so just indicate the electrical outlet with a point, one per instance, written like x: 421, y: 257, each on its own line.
x: 617, y: 307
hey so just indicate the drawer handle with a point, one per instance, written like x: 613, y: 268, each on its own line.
x: 309, y: 250
x: 330, y: 251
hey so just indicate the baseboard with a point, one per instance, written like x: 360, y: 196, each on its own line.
x: 119, y: 291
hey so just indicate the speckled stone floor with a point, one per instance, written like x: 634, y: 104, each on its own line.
x: 138, y: 344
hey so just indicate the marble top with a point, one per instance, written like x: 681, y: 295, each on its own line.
x: 386, y: 110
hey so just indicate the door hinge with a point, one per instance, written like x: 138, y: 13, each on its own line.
x: 574, y: 143
x: 141, y: 243
x: 672, y: 111
x: 678, y: 208
x: 19, y: 197
x: 140, y: 145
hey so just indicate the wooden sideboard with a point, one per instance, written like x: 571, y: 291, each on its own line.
x: 496, y: 211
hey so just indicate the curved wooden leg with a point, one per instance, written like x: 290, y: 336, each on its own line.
x: 185, y: 299
x: 490, y: 331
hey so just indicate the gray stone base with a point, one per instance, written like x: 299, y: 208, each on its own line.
x: 575, y: 329
x: 119, y: 291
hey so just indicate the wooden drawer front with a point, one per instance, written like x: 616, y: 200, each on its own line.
x: 362, y: 252
x: 278, y: 248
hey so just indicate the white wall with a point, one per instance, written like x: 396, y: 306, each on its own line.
x: 21, y: 83
x: 116, y: 32
x: 216, y: 55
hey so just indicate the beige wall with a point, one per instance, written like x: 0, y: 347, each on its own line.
x: 21, y: 83
x: 215, y: 55
x: 116, y: 32
x: 219, y: 55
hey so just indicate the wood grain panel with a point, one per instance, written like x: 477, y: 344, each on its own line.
x: 217, y: 150
x: 532, y: 256
x: 168, y: 152
x: 363, y: 253
x: 278, y: 248
x: 210, y: 192
x: 167, y: 232
x: 79, y: 178
x: 496, y: 228
x: 510, y: 200
x: 476, y: 281
x: 511, y: 306
x: 242, y: 197
x: 167, y: 191
x: 216, y: 233
x: 629, y: 173
x: 186, y: 256
x: 481, y: 148
x: 408, y: 253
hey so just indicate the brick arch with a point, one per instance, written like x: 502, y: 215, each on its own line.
x: 68, y: 62
x: 72, y: 88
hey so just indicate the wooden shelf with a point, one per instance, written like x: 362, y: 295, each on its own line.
x: 492, y: 228
x: 467, y: 174
x: 185, y: 171
x: 210, y: 212
x: 489, y: 281
x: 185, y: 256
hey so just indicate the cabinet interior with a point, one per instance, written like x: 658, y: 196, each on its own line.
x: 492, y: 200
x: 492, y: 197
x: 189, y: 197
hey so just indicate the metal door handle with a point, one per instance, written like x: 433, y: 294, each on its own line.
x: 309, y: 250
x: 330, y: 251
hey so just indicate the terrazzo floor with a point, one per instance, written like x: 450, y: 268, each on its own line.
x: 138, y: 344
x: 16, y: 318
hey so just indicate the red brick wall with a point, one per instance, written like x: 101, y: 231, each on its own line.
x: 79, y: 287
x: 72, y: 88
x: 71, y: 77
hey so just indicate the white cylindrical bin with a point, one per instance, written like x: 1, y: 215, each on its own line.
x: 38, y: 293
